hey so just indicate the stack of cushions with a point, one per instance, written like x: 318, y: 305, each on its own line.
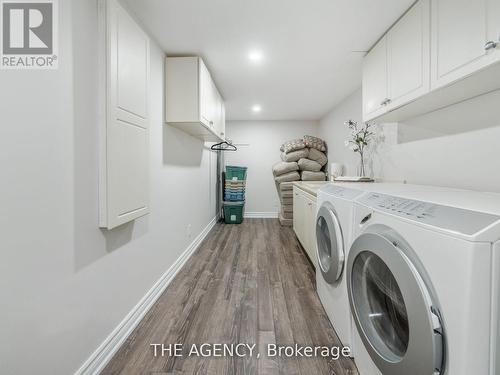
x: 302, y: 159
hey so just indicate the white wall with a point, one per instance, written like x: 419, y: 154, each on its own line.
x: 258, y: 145
x: 457, y: 146
x: 66, y: 284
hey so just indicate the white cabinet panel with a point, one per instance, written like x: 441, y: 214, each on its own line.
x: 132, y: 65
x: 124, y: 177
x: 194, y: 103
x: 460, y: 30
x: 439, y: 53
x: 375, y: 93
x: 408, y: 56
x: 206, y: 95
x: 128, y: 177
x: 304, y: 221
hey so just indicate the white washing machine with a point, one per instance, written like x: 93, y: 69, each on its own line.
x: 424, y: 283
x: 333, y: 237
x: 334, y: 220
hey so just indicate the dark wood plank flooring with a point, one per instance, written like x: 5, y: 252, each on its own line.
x: 248, y: 283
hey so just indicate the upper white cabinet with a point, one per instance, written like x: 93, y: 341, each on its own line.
x: 375, y: 90
x: 124, y: 159
x: 464, y: 38
x: 439, y: 53
x: 408, y: 56
x: 194, y: 104
x: 397, y: 68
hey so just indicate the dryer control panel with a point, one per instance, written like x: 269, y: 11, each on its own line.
x: 449, y: 218
x: 341, y: 192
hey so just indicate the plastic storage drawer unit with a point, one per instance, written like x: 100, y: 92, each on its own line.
x: 233, y: 212
x: 234, y: 173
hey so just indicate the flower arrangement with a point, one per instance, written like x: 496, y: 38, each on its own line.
x: 359, y: 140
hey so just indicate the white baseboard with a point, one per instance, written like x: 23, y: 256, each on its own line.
x: 261, y: 215
x: 100, y: 358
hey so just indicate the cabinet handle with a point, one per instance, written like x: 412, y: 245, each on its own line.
x: 386, y: 101
x: 309, y: 204
x: 490, y: 45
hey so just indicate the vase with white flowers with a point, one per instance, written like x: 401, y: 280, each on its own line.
x: 360, y: 137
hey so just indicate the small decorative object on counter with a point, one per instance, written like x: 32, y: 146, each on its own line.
x: 336, y: 170
x: 359, y: 140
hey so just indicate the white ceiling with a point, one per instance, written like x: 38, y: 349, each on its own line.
x: 308, y: 66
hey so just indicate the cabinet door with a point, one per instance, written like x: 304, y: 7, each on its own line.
x: 223, y: 120
x: 124, y: 169
x: 310, y: 228
x: 205, y: 96
x: 375, y: 93
x: 298, y: 214
x: 460, y: 31
x: 313, y: 256
x: 217, y: 112
x: 408, y: 56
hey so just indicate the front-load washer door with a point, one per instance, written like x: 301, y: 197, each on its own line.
x: 393, y: 309
x: 330, y: 243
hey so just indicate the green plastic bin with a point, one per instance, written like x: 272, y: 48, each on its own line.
x: 235, y: 173
x: 233, y: 212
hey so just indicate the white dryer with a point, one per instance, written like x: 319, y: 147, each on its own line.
x: 334, y: 221
x: 333, y: 237
x: 424, y: 283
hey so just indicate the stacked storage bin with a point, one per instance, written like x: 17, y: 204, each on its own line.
x: 234, y: 194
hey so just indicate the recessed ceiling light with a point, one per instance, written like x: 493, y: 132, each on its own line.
x: 256, y: 108
x: 255, y: 56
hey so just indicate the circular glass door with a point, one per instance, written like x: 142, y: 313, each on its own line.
x: 394, y: 311
x: 330, y: 244
x: 381, y: 306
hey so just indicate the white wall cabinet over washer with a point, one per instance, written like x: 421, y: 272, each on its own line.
x: 441, y: 52
x: 124, y: 138
x: 193, y: 102
x: 465, y: 38
x: 397, y: 69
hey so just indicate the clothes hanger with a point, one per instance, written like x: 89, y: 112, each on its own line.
x: 224, y: 146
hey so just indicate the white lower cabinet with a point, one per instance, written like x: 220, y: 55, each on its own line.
x: 304, y: 221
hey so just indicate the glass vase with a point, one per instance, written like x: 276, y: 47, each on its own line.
x: 361, y: 168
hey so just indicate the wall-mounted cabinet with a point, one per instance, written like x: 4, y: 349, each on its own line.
x: 439, y: 53
x: 194, y: 103
x: 124, y: 157
x: 397, y: 69
x: 465, y: 38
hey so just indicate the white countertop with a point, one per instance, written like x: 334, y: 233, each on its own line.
x: 310, y: 187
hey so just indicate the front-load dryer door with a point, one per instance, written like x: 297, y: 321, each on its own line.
x: 330, y: 243
x: 393, y: 309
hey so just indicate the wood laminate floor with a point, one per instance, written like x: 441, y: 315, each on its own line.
x: 248, y: 283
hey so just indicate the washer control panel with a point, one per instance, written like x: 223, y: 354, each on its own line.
x: 450, y: 218
x: 342, y: 192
